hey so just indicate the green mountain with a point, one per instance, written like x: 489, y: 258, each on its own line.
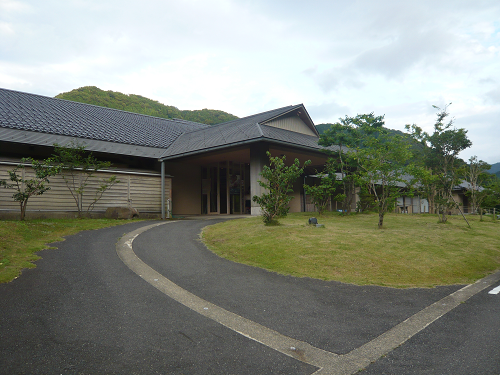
x: 145, y: 106
x: 495, y: 169
x: 322, y: 127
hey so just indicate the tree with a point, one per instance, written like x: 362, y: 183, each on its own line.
x: 77, y: 167
x: 440, y: 150
x: 27, y: 187
x: 328, y: 185
x: 278, y: 181
x: 385, y: 170
x: 348, y: 134
x: 367, y: 201
x: 492, y: 194
x: 476, y: 175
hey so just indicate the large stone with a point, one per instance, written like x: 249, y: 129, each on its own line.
x: 121, y: 213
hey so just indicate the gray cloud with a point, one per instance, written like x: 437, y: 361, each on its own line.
x: 493, y: 96
x: 484, y: 132
x: 327, y: 112
x: 406, y: 51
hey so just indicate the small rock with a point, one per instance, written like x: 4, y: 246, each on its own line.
x: 121, y: 213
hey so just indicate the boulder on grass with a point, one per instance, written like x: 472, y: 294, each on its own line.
x: 121, y: 213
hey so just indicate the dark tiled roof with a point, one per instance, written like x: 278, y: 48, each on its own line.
x: 215, y: 136
x: 42, y: 114
x: 35, y: 119
x: 236, y: 132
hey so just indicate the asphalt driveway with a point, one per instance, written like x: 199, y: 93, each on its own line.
x: 83, y: 311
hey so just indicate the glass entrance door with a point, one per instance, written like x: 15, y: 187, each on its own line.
x: 236, y: 185
x: 214, y: 178
x: 223, y: 188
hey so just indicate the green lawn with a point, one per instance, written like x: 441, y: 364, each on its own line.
x: 412, y: 250
x: 19, y: 241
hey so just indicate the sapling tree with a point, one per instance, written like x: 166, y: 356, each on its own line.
x: 441, y: 149
x: 27, y: 187
x: 278, y: 179
x: 77, y: 168
x: 328, y: 187
x: 348, y: 134
x: 385, y: 170
x: 476, y: 175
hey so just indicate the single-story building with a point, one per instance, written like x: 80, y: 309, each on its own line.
x: 165, y: 166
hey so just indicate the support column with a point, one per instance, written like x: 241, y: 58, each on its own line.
x: 163, y: 190
x: 258, y: 159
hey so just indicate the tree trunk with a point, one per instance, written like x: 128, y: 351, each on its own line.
x: 349, y: 200
x: 443, y: 216
x: 380, y: 220
x: 23, y: 209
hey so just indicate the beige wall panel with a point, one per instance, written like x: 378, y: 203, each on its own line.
x: 145, y: 193
x: 293, y: 123
x: 57, y: 198
x: 116, y: 196
x: 6, y: 200
x: 186, y: 188
x: 459, y: 198
x: 296, y: 203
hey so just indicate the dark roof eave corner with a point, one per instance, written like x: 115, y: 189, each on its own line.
x: 303, y: 116
x: 309, y: 119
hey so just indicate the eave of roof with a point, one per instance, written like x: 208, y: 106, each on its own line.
x: 263, y: 116
x: 206, y: 141
x: 44, y: 139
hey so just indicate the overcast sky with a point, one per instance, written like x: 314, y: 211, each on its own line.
x: 392, y: 57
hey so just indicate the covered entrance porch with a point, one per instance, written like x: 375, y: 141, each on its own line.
x: 223, y: 182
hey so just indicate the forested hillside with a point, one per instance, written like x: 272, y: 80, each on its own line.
x: 140, y: 104
x: 495, y: 169
x: 322, y: 127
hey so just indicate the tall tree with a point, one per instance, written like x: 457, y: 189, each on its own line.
x: 348, y: 134
x: 29, y: 186
x: 476, y: 175
x: 441, y: 149
x: 385, y: 170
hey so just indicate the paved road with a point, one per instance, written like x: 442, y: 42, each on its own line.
x: 464, y: 341
x: 82, y: 311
